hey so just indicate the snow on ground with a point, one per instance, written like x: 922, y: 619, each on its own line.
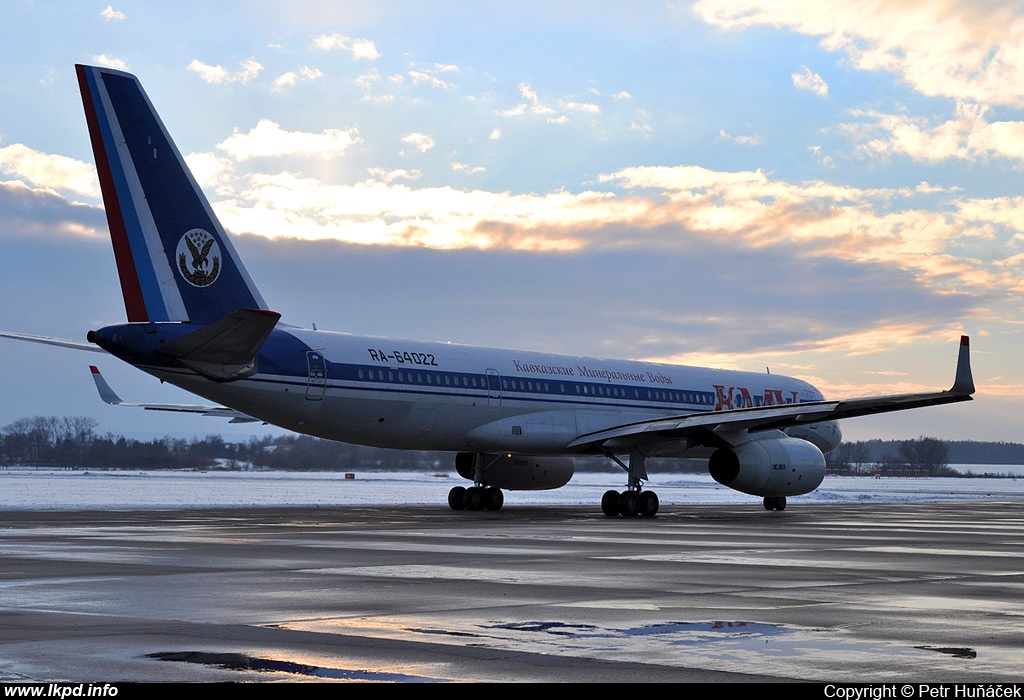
x: 48, y: 489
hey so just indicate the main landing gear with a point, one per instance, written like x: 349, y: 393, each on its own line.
x: 630, y: 503
x: 633, y: 501
x: 479, y: 496
x: 475, y: 498
x: 775, y: 503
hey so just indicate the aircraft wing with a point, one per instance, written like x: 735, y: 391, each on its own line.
x: 702, y: 426
x: 59, y: 342
x: 109, y: 396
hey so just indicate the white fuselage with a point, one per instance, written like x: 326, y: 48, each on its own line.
x: 442, y: 396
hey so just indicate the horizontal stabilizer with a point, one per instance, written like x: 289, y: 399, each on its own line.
x: 109, y: 396
x: 225, y: 350
x: 58, y: 342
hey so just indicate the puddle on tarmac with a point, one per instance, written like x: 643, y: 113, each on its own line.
x: 955, y: 652
x: 724, y: 636
x: 696, y: 630
x: 242, y: 662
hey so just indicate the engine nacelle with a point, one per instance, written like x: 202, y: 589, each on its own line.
x: 772, y: 466
x: 825, y: 435
x: 519, y: 472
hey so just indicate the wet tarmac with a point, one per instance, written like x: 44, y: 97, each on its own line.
x: 848, y: 593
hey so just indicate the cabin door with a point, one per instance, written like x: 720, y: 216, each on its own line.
x: 493, y: 388
x: 317, y: 383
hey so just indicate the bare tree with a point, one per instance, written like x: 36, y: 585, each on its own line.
x: 926, y: 454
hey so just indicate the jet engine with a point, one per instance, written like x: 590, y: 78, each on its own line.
x: 518, y: 472
x: 769, y: 466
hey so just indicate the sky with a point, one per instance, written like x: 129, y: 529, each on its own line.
x: 834, y: 192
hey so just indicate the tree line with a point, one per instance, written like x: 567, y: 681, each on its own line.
x: 72, y: 441
x: 924, y: 456
x: 927, y: 455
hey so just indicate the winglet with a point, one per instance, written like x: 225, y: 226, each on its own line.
x: 106, y: 393
x: 964, y: 382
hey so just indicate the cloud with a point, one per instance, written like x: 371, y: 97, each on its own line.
x: 42, y: 214
x: 794, y: 247
x: 368, y: 80
x: 422, y: 142
x: 109, y: 62
x: 290, y: 78
x: 673, y: 211
x: 744, y: 140
x: 49, y: 171
x: 213, y: 172
x: 385, y: 175
x: 467, y: 169
x: 959, y: 48
x: 421, y: 77
x: 533, y: 105
x: 804, y: 79
x: 967, y: 136
x: 110, y: 14
x: 429, y: 75
x: 581, y: 107
x: 285, y: 204
x: 361, y: 49
x: 956, y: 49
x: 643, y: 129
x: 268, y: 139
x: 218, y: 75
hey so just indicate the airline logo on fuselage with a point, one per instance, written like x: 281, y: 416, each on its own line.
x: 741, y: 397
x: 198, y: 258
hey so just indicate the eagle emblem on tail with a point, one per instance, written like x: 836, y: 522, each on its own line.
x: 198, y: 258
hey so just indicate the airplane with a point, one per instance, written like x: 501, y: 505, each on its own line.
x: 515, y: 419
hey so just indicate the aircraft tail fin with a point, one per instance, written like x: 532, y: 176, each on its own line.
x: 174, y: 260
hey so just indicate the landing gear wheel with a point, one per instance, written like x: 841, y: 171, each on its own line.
x: 780, y: 503
x: 610, y: 503
x: 474, y: 499
x: 629, y: 504
x: 493, y: 498
x: 648, y: 503
x: 775, y: 503
x: 457, y: 498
